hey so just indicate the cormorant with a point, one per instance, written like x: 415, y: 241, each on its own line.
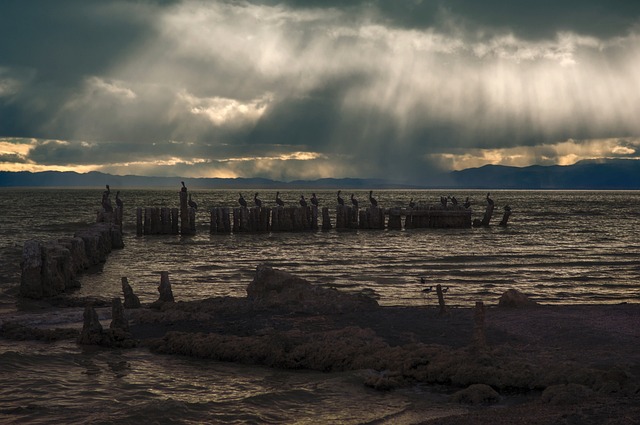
x: 106, y: 202
x: 192, y: 204
x: 489, y: 200
x: 184, y: 188
x: 118, y: 200
x: 454, y: 201
x: 412, y: 204
x: 314, y: 199
x: 443, y: 201
x: 507, y: 208
x: 303, y: 202
x: 242, y: 201
x: 354, y: 201
x: 256, y: 200
x: 467, y: 203
x: 340, y: 200
x: 373, y: 201
x: 279, y: 201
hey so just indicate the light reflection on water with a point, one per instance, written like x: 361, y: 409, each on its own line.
x: 560, y: 247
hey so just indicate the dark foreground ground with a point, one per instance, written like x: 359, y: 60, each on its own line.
x: 576, y: 364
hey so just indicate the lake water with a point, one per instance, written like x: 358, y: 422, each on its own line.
x: 560, y: 247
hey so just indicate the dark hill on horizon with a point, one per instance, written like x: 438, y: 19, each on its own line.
x: 595, y: 175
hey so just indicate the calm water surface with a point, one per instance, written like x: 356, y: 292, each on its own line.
x: 559, y: 248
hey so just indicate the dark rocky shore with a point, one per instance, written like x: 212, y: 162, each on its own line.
x: 573, y: 364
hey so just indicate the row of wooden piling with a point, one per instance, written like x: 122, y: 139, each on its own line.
x: 162, y: 220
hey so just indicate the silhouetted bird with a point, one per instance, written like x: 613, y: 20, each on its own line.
x: 443, y: 201
x: 354, y: 201
x: 108, y: 191
x: 467, y: 203
x: 489, y: 200
x: 429, y: 289
x: 445, y: 289
x: 256, y: 200
x: 507, y: 208
x: 303, y: 202
x: 118, y: 200
x: 340, y: 200
x: 242, y: 201
x: 192, y: 203
x: 454, y: 201
x: 314, y: 199
x: 373, y: 201
x: 106, y: 202
x: 184, y: 188
x: 279, y: 201
x: 411, y: 203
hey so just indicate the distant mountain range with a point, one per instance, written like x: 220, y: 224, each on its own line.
x: 601, y: 175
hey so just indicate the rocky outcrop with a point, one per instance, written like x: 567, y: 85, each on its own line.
x: 117, y: 336
x: 131, y: 300
x: 513, y: 298
x: 166, y: 294
x: 273, y: 288
x: 51, y: 268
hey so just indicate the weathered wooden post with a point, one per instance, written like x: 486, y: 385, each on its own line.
x: 326, y: 219
x: 192, y: 221
x: 185, y: 227
x: 165, y: 218
x: 443, y: 307
x: 226, y: 220
x: 395, y: 218
x: 505, y: 216
x: 147, y: 221
x: 131, y: 300
x: 363, y: 219
x: 341, y: 217
x: 479, y: 338
x: 155, y: 221
x: 213, y: 227
x: 166, y: 294
x: 175, y: 227
x: 487, y: 214
x: 139, y: 228
x: 314, y: 217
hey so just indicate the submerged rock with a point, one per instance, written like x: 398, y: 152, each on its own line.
x: 515, y: 299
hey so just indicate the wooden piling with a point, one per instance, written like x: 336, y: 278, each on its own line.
x: 175, y: 226
x: 165, y: 219
x: 505, y: 217
x: 443, y: 307
x: 192, y: 221
x: 487, y: 214
x: 395, y: 219
x: 326, y: 219
x: 139, y: 228
x: 185, y: 226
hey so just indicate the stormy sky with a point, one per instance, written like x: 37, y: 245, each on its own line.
x: 310, y: 89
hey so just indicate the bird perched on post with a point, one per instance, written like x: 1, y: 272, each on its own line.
x: 412, y: 204
x: 183, y: 188
x: 242, y: 201
x: 192, y: 203
x: 279, y: 201
x: 314, y: 199
x: 467, y: 203
x: 373, y: 201
x: 256, y: 200
x: 489, y: 200
x: 340, y: 200
x: 354, y: 201
x: 303, y: 202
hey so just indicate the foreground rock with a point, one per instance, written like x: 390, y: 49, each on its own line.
x: 272, y: 288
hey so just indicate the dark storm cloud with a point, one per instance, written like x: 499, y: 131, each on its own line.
x: 285, y: 89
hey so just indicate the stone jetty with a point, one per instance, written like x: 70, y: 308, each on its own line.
x: 52, y: 267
